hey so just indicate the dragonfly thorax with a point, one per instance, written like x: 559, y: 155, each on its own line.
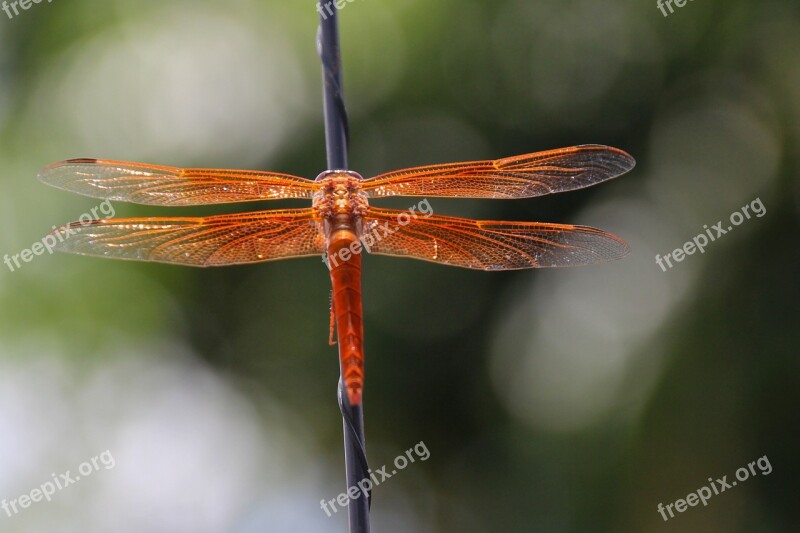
x: 339, y: 195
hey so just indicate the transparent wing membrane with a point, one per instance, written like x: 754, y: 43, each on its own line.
x: 489, y: 244
x: 208, y: 241
x: 521, y: 176
x: 159, y: 185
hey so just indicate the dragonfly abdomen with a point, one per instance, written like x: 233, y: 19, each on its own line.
x: 345, y: 268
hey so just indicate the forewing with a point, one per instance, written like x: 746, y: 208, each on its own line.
x: 521, y: 176
x: 203, y: 242
x: 159, y: 185
x: 488, y: 244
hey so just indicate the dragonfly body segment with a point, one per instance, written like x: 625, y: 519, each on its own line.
x: 340, y: 219
x: 340, y: 204
x: 347, y: 307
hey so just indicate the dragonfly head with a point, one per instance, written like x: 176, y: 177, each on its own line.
x: 340, y: 194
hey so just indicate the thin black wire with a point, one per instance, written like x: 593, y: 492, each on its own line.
x: 355, y: 433
x: 337, y: 125
x: 337, y: 140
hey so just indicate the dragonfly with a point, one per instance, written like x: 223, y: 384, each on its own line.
x: 341, y: 224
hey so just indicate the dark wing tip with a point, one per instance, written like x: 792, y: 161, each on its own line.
x: 620, y: 158
x: 585, y: 245
x: 624, y: 249
x: 624, y: 159
x: 606, y: 246
x: 42, y: 175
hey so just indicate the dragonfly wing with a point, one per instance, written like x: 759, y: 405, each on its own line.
x: 207, y: 241
x: 159, y: 185
x: 521, y: 176
x: 487, y: 244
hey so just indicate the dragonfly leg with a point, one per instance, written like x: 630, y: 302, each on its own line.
x: 332, y: 330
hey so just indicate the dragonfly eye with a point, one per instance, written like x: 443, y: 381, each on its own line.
x: 325, y: 174
x: 355, y: 175
x: 338, y: 173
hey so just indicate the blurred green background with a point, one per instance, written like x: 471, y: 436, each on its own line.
x: 564, y: 400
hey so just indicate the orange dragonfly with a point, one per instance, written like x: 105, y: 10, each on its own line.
x: 340, y: 223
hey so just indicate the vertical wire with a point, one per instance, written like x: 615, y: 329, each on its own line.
x: 337, y: 129
x: 337, y: 135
